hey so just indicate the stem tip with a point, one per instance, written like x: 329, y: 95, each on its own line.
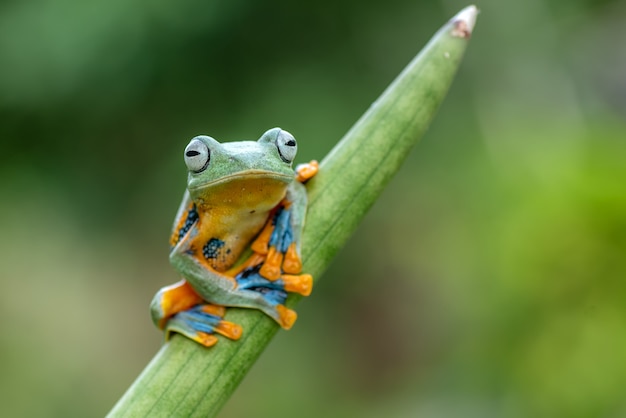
x: 464, y: 22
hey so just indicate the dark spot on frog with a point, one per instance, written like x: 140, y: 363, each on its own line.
x: 253, y: 211
x: 191, y: 217
x: 212, y: 248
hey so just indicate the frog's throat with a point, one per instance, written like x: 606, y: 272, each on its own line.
x: 248, y: 174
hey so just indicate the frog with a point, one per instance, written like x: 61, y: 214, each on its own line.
x: 236, y: 236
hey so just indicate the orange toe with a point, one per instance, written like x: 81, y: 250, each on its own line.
x: 287, y: 316
x: 302, y: 284
x: 271, y: 268
x: 211, y: 309
x: 205, y: 339
x: 229, y: 330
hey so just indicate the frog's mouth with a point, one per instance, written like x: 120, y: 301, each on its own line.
x: 249, y: 175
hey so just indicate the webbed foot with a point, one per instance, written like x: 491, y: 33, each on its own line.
x: 201, y: 322
x: 275, y: 291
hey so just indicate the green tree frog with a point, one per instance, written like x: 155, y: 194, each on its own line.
x: 236, y: 237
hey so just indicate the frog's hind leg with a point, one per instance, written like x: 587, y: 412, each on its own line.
x: 201, y: 322
x: 172, y: 299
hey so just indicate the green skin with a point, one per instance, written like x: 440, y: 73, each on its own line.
x: 234, y: 195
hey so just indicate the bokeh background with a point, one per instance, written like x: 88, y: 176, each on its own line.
x: 488, y: 281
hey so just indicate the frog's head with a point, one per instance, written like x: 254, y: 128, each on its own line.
x: 265, y: 161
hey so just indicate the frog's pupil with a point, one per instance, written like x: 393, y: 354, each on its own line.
x: 291, y: 143
x: 192, y: 153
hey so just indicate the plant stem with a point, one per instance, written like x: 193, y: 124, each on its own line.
x: 186, y: 379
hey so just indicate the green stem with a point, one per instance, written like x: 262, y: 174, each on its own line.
x: 185, y: 379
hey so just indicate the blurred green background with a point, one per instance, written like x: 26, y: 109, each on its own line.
x: 488, y: 281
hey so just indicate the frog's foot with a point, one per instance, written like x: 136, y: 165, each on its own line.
x: 275, y: 292
x: 305, y: 171
x: 201, y: 322
x: 172, y: 299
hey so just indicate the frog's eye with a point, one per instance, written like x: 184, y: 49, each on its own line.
x: 197, y: 156
x: 287, y: 147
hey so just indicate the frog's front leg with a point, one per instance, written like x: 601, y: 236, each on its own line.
x: 274, y: 274
x: 220, y: 289
x: 280, y: 239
